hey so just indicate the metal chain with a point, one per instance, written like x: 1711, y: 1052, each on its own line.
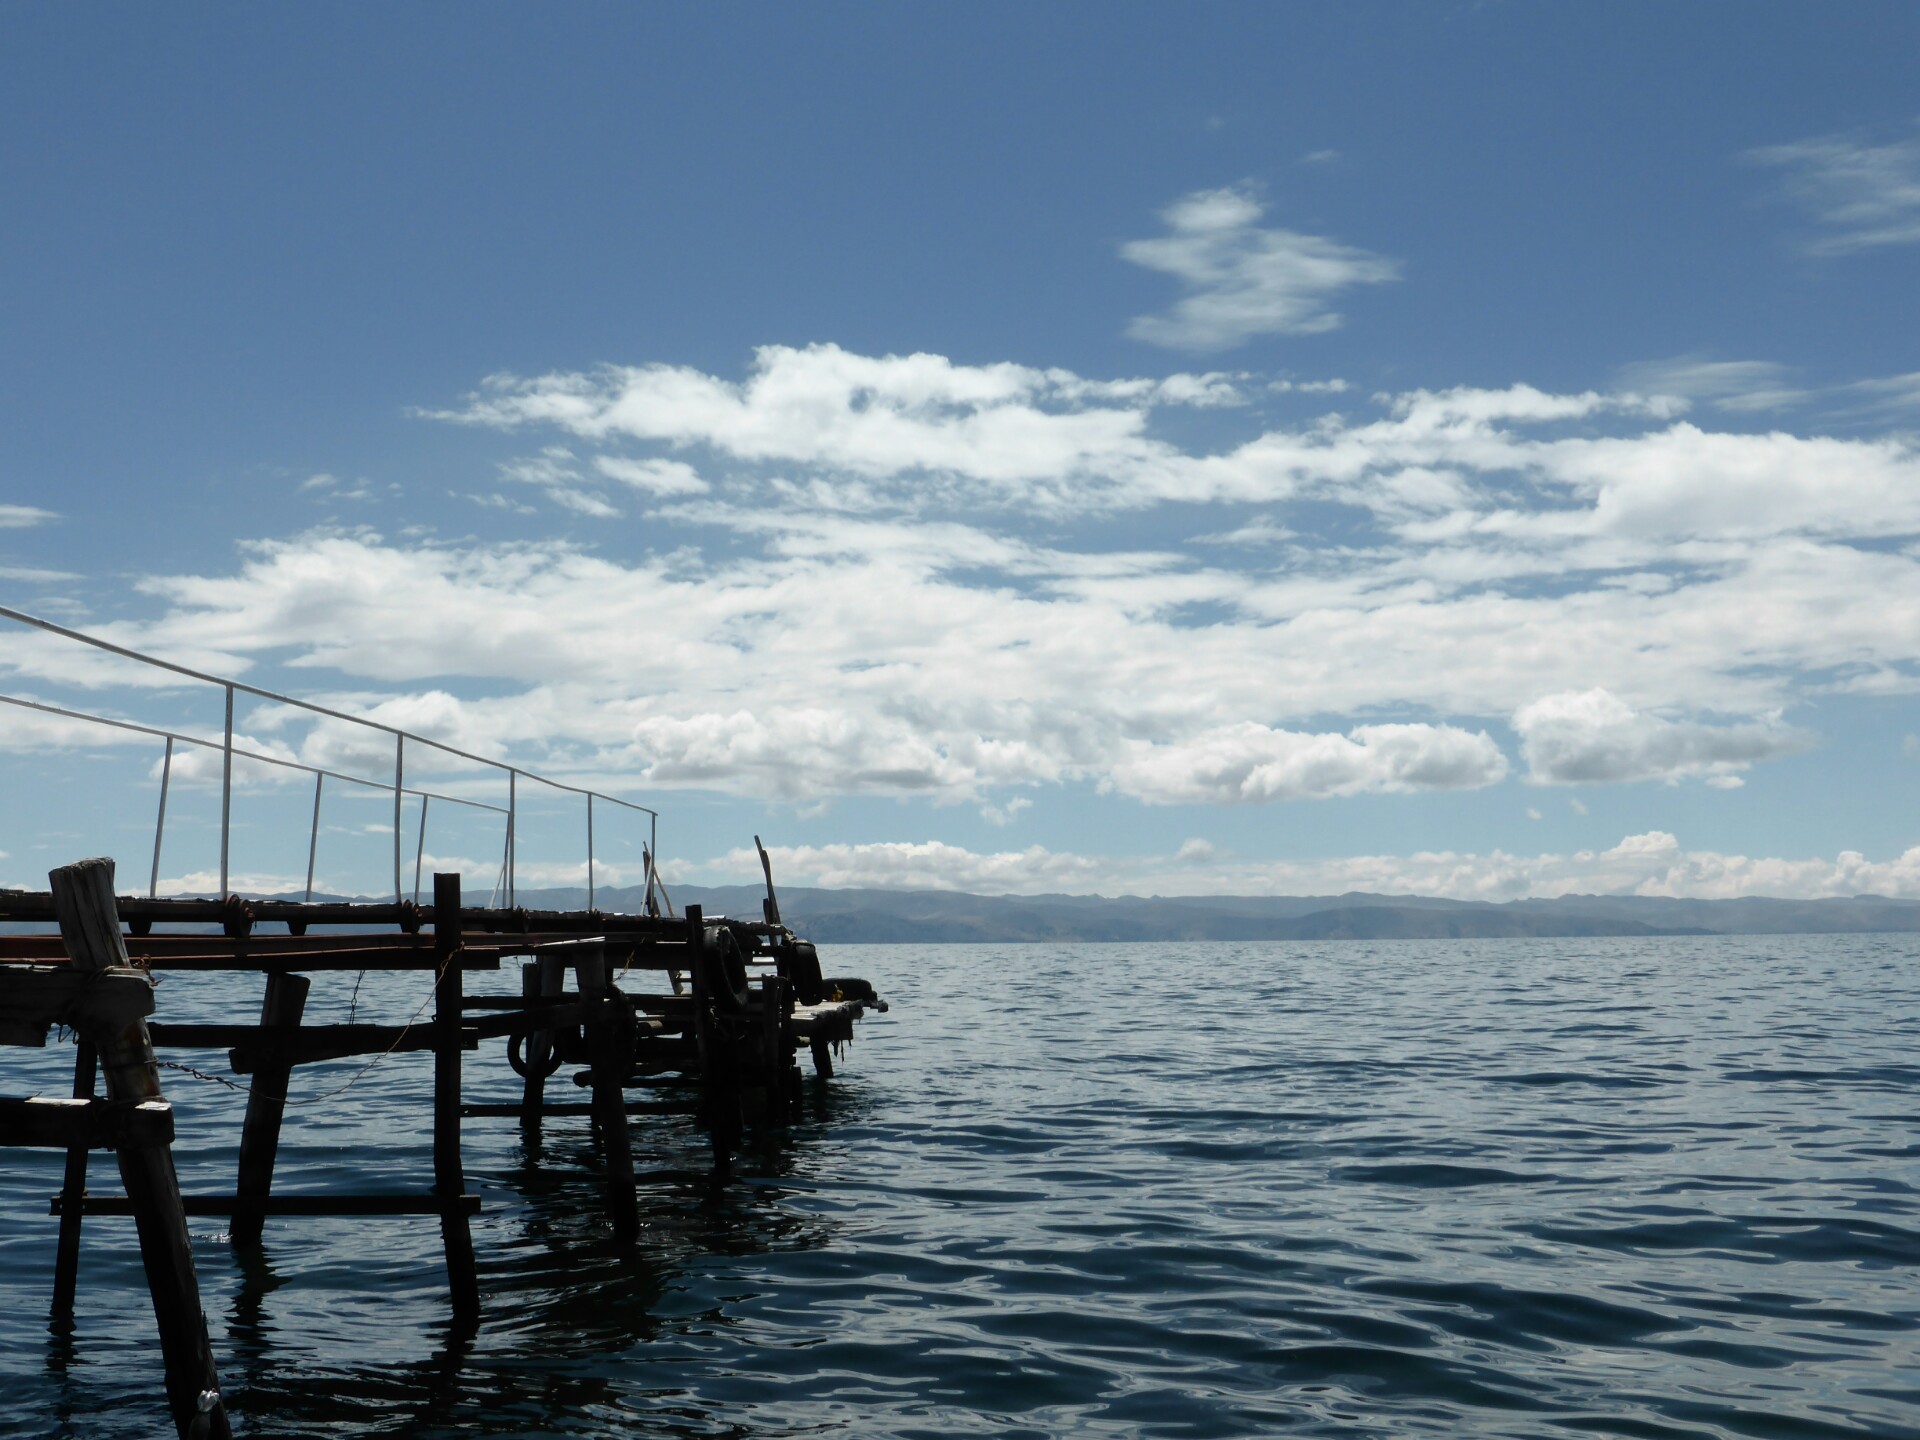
x: 245, y: 1089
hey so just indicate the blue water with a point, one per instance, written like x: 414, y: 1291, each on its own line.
x: 1641, y: 1188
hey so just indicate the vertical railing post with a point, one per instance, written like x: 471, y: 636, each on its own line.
x: 420, y: 848
x: 399, y: 794
x: 160, y: 825
x: 589, y: 850
x: 313, y: 840
x: 226, y: 794
x: 513, y: 815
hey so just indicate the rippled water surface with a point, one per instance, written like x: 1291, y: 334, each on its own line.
x: 1509, y: 1188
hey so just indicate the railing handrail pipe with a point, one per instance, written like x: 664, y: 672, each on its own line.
x: 228, y: 752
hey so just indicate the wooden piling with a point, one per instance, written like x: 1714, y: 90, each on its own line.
x: 449, y: 1179
x: 719, y: 1105
x: 542, y: 978
x: 285, y: 1003
x: 112, y: 1012
x: 66, y: 1261
x: 773, y: 1049
x: 609, y: 1052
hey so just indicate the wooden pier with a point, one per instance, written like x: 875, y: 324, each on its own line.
x: 724, y: 1004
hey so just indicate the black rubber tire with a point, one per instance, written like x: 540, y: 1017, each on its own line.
x: 809, y: 987
x: 517, y: 1056
x: 724, y: 970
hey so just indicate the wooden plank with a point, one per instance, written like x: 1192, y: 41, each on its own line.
x: 491, y: 1110
x: 36, y: 906
x: 254, y: 1045
x: 312, y: 1206
x: 543, y: 1020
x: 211, y: 952
x: 86, y: 1124
x: 829, y: 1020
x: 34, y: 998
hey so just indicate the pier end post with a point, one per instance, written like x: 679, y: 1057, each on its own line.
x: 113, y: 1014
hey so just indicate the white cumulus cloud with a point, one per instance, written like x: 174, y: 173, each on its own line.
x: 1241, y: 280
x: 1250, y: 762
x: 1594, y: 737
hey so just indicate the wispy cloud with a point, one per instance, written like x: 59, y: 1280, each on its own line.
x: 1753, y: 386
x: 1889, y: 392
x: 556, y: 472
x: 1738, y: 385
x: 22, y: 517
x: 1865, y: 195
x: 1241, y: 280
x: 653, y: 476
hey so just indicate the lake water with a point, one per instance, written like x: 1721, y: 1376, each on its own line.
x: 1646, y: 1188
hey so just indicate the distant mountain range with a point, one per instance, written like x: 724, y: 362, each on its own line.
x: 893, y: 917
x: 847, y: 917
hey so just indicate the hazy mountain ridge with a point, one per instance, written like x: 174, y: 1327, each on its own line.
x: 851, y: 917
x: 931, y: 916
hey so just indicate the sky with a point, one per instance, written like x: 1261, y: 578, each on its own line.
x: 1459, y: 449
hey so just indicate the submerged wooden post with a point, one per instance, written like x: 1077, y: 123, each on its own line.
x: 719, y: 1082
x: 772, y: 1041
x: 449, y: 1180
x: 112, y: 1013
x: 285, y: 1003
x: 73, y: 1191
x: 607, y: 1027
x: 542, y: 978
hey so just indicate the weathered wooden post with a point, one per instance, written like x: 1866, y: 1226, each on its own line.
x: 719, y: 1062
x: 449, y: 1179
x: 286, y: 1001
x: 112, y: 1012
x: 542, y: 978
x: 73, y: 1192
x: 773, y: 1046
x: 608, y: 1027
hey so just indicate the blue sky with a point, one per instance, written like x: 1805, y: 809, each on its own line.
x: 1456, y: 448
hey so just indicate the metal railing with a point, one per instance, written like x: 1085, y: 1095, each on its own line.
x: 401, y: 738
